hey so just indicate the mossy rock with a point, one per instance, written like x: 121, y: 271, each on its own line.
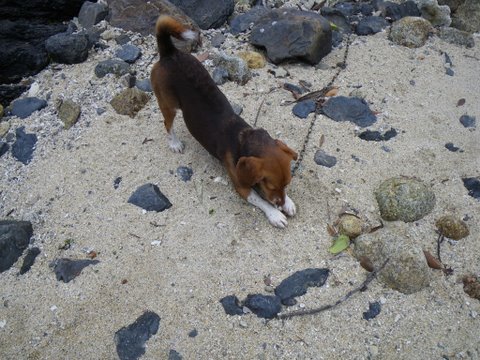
x: 452, y: 227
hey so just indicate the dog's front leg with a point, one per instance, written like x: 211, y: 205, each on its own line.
x: 275, y: 216
x: 289, y: 206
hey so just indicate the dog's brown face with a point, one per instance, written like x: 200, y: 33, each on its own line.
x: 271, y: 172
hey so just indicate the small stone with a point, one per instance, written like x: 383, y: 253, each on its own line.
x: 150, y: 198
x: 128, y: 53
x: 297, y: 284
x: 264, y: 306
x: 24, y: 146
x: 243, y: 22
x: 185, y: 173
x: 437, y: 15
x: 455, y: 36
x: 237, y: 108
x: 231, y: 305
x: 449, y: 72
x: 193, y: 333
x: 129, y: 102
x: 452, y: 227
x: 220, y: 75
x: 468, y: 121
x: 374, y: 309
x: 471, y: 286
x: 243, y: 324
x: 144, y: 85
x: 66, y: 269
x: 23, y: 108
x: 29, y: 259
x: 236, y: 67
x: 4, y: 128
x: 69, y: 112
x: 350, y: 225
x: 14, y: 239
x: 451, y: 147
x: 369, y: 135
x: 410, y: 31
x: 253, y: 59
x: 280, y: 73
x: 111, y: 66
x: 303, y: 108
x: 323, y: 159
x: 217, y: 40
x: 355, y: 110
x: 174, y: 355
x: 371, y: 25
x: 473, y: 186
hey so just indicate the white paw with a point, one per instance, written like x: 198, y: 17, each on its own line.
x: 289, y: 207
x: 175, y: 145
x: 276, y: 218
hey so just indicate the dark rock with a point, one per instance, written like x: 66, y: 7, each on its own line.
x: 468, y: 121
x: 68, y: 48
x: 264, y: 306
x: 374, y: 309
x: 293, y: 34
x: 67, y: 269
x: 24, y: 146
x: 23, y: 108
x: 144, y: 85
x: 336, y: 17
x: 231, y: 305
x: 116, y: 182
x: 92, y: 13
x: 29, y: 260
x: 128, y: 53
x: 303, y: 108
x: 150, y: 198
x: 220, y: 75
x: 355, y: 110
x: 3, y: 148
x: 174, y: 355
x: 130, y: 340
x: 449, y: 72
x: 473, y: 186
x: 185, y: 173
x: 129, y: 102
x: 298, y: 283
x: 294, y: 89
x: 438, y: 16
x: 111, y: 66
x: 193, y: 333
x: 53, y: 10
x: 243, y: 22
x: 206, y: 13
x: 370, y: 135
x: 371, y: 25
x: 394, y: 11
x: 10, y: 92
x: 237, y: 109
x: 467, y: 16
x: 455, y: 36
x: 452, y: 4
x: 452, y: 147
x: 411, y: 32
x: 448, y: 60
x: 122, y: 39
x: 14, y: 239
x: 323, y: 159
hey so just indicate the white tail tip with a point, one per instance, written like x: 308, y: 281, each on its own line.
x: 189, y: 35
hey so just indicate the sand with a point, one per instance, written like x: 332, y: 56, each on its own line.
x: 179, y: 263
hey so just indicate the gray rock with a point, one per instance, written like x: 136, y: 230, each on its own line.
x: 396, y: 11
x: 174, y: 355
x: 264, y: 306
x: 66, y: 48
x: 231, y: 305
x: 473, y: 186
x: 206, y: 13
x: 452, y: 4
x: 220, y: 75
x: 3, y: 148
x: 23, y: 108
x: 404, y: 199
x: 411, y: 32
x: 185, y: 173
x: 92, y: 13
x: 355, y: 110
x: 14, y: 239
x: 67, y: 269
x: 24, y: 146
x: 236, y: 67
x: 217, y: 40
x: 468, y: 121
x: 128, y: 53
x: 129, y: 101
x: 371, y: 25
x: 438, y: 15
x: 69, y: 112
x: 297, y: 284
x: 111, y: 66
x: 150, y: 198
x: 455, y: 36
x: 144, y: 85
x: 303, y: 108
x: 323, y: 159
x: 293, y: 34
x: 243, y: 22
x: 467, y: 16
x: 237, y: 108
x: 29, y: 260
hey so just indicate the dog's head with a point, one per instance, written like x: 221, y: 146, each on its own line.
x: 270, y: 171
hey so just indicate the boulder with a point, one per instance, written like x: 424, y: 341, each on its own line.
x: 67, y: 48
x: 92, y: 13
x: 129, y: 101
x: 411, y: 32
x: 207, y: 14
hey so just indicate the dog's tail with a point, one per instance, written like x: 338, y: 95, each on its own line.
x: 167, y: 26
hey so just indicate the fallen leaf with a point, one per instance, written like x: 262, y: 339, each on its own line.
x: 461, y: 102
x: 432, y: 261
x: 340, y: 243
x: 331, y: 230
x: 322, y: 140
x: 332, y: 92
x: 366, y: 263
x: 92, y: 254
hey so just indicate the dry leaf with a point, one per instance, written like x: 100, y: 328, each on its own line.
x: 92, y: 254
x: 332, y: 92
x: 366, y: 263
x: 322, y: 140
x: 432, y: 261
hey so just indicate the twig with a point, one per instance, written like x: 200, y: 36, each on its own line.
x: 344, y: 298
x: 439, y: 243
x: 258, y: 113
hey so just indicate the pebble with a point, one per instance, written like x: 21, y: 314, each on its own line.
x: 468, y: 121
x: 174, y: 355
x: 371, y: 25
x: 237, y: 108
x: 130, y: 101
x: 67, y: 269
x: 217, y: 40
x: 92, y: 13
x: 130, y: 340
x: 355, y: 110
x: 298, y: 283
x: 193, y: 333
x: 410, y: 31
x: 350, y: 225
x: 449, y: 72
x: 24, y: 146
x: 473, y: 186
x: 69, y: 113
x: 150, y: 198
x: 374, y: 309
x: 452, y: 227
x: 14, y: 239
x: 451, y: 147
x: 23, y: 108
x: 220, y: 75
x: 231, y: 305
x: 323, y: 159
x: 111, y: 66
x: 264, y: 306
x: 185, y: 173
x: 67, y: 48
x: 128, y: 53
x: 303, y: 108
x: 369, y: 135
x: 144, y: 85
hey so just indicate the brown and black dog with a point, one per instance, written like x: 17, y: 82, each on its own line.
x: 251, y: 156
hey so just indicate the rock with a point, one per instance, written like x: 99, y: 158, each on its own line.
x: 374, y: 309
x: 449, y: 72
x: 468, y: 121
x: 217, y: 40
x: 69, y: 112
x: 405, y: 199
x: 67, y: 269
x: 185, y: 173
x: 174, y: 355
x: 342, y: 23
x: 66, y: 48
x: 130, y: 340
x: 243, y: 22
x: 323, y: 159
x: 231, y: 305
x: 1, y: 111
x: 253, y: 59
x: 193, y: 333
x: 129, y: 102
x: 369, y: 135
x: 220, y: 75
x: 237, y: 109
x: 264, y: 306
x: 471, y: 286
x: 23, y: 108
x: 437, y: 15
x: 411, y: 32
x: 206, y: 13
x: 3, y: 148
x: 140, y: 16
x: 24, y: 146
x: 128, y: 53
x: 350, y: 225
x: 92, y: 13
x: 455, y: 36
x: 236, y: 67
x: 14, y: 239
x: 395, y: 12
x: 452, y: 4
x: 355, y: 110
x: 150, y: 198
x: 111, y: 66
x: 303, y: 108
x: 9, y: 92
x: 298, y: 283
x: 451, y: 147
x: 407, y: 270
x: 371, y: 25
x: 52, y: 10
x: 293, y: 34
x: 467, y: 16
x: 29, y: 260
x: 144, y: 85
x: 452, y: 227
x: 473, y: 186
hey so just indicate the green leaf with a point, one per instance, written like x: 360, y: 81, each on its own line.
x: 340, y: 243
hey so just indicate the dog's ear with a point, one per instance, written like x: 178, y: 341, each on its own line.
x: 285, y: 148
x: 250, y: 170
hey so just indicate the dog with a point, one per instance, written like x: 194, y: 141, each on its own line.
x: 254, y: 161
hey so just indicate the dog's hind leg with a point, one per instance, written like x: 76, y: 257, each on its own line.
x: 169, y: 115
